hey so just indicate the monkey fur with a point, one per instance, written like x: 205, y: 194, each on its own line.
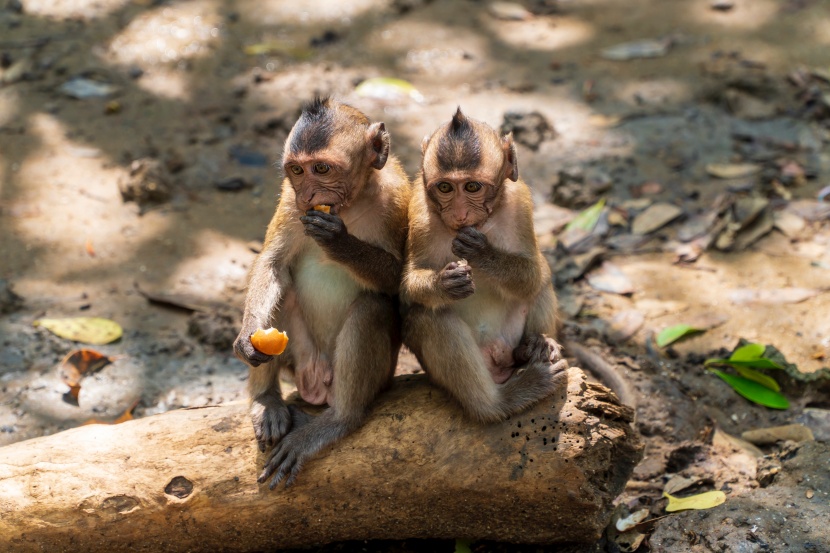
x: 330, y: 281
x: 480, y: 310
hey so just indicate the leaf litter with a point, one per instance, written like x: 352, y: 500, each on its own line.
x: 77, y: 364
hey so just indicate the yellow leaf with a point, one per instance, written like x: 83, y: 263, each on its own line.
x: 705, y: 500
x: 89, y: 330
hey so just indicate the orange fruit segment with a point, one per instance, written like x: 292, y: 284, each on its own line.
x: 323, y: 208
x: 269, y: 341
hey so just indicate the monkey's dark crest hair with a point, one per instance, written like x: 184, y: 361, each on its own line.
x: 459, y: 146
x: 314, y: 128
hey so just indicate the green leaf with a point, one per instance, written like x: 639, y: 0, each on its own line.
x: 747, y: 352
x: 462, y: 546
x: 754, y: 392
x: 587, y: 219
x: 705, y: 500
x: 749, y: 355
x: 760, y: 378
x: 751, y: 363
x: 89, y: 330
x: 673, y: 333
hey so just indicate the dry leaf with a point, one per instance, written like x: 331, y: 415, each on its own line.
x: 778, y: 295
x: 632, y: 520
x: 75, y: 365
x: 509, y: 11
x: 90, y: 249
x: 773, y: 434
x: 609, y: 278
x: 124, y: 417
x: 624, y: 325
x: 637, y: 49
x: 705, y: 500
x: 89, y: 330
x: 732, y: 170
x: 656, y: 216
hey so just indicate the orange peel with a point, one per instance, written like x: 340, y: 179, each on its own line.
x: 269, y: 341
x: 323, y: 208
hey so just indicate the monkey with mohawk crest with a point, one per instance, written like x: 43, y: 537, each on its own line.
x: 481, y: 312
x: 328, y: 274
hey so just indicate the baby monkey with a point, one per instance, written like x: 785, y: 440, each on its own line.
x: 480, y: 307
x: 328, y: 275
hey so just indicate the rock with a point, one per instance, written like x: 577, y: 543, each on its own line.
x: 9, y: 301
x: 147, y: 183
x: 216, y: 328
x: 529, y: 128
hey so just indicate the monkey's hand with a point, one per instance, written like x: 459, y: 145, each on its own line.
x: 245, y: 350
x: 327, y: 229
x: 538, y: 348
x: 456, y: 280
x: 471, y: 244
x: 271, y: 419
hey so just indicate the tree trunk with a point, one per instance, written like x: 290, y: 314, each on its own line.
x: 186, y: 480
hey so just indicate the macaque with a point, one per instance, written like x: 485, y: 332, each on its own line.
x: 480, y: 307
x: 330, y: 280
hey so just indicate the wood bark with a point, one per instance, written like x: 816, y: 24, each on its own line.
x: 186, y: 480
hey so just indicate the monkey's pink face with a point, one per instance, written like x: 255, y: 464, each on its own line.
x: 319, y: 182
x: 462, y: 202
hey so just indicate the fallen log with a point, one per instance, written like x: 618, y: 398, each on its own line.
x: 186, y: 480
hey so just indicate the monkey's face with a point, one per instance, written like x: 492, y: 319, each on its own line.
x: 465, y: 165
x: 463, y: 199
x: 319, y: 180
x: 330, y: 152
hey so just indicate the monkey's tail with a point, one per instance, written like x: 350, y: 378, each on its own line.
x: 608, y: 374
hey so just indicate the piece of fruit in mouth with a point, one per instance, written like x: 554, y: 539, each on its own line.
x: 322, y: 207
x: 269, y: 341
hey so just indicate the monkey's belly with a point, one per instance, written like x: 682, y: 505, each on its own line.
x: 497, y: 325
x: 325, y: 290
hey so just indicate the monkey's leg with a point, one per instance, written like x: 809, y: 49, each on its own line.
x: 313, y: 373
x: 364, y: 360
x: 269, y: 414
x: 446, y: 348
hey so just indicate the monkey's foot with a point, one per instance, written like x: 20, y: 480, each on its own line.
x: 299, y: 418
x: 287, y: 458
x: 271, y: 419
x: 539, y: 349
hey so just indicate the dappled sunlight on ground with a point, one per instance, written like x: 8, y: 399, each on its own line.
x: 542, y: 34
x: 192, y: 95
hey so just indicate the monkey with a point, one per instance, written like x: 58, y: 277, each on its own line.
x: 480, y: 313
x: 330, y: 280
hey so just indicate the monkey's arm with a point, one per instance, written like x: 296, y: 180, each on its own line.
x: 266, y: 283
x: 518, y: 274
x: 436, y: 289
x: 379, y: 269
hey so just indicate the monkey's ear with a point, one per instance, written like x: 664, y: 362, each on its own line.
x: 378, y: 138
x: 424, y: 144
x: 511, y: 161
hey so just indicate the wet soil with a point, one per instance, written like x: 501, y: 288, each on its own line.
x: 163, y: 186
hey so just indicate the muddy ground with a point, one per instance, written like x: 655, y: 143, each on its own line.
x: 162, y: 183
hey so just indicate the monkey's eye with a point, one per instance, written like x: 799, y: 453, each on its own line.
x: 321, y: 168
x: 444, y: 187
x: 472, y: 186
x: 296, y: 169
